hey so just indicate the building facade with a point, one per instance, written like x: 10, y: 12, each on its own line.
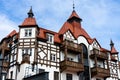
x: 35, y: 53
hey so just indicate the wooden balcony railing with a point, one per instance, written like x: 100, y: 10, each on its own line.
x: 99, y: 55
x: 100, y: 72
x: 71, y: 66
x: 5, y: 64
x: 72, y: 46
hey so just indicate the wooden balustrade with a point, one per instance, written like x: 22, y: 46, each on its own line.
x: 71, y: 66
x: 72, y: 46
x: 100, y: 72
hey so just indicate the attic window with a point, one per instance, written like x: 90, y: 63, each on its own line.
x: 50, y: 38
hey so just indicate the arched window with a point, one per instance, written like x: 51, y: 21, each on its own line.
x: 85, y: 75
x: 85, y: 54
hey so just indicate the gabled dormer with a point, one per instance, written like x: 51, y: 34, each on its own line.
x: 29, y: 27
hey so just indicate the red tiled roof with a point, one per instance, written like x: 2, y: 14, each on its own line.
x: 43, y: 35
x: 66, y: 26
x: 77, y: 31
x: 104, y: 50
x: 74, y: 14
x: 12, y: 33
x: 29, y: 21
x: 113, y: 50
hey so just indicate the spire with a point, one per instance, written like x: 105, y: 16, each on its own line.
x: 30, y: 13
x: 73, y: 6
x: 30, y: 20
x: 113, y: 50
x: 111, y: 43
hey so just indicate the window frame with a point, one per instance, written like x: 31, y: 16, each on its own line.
x: 27, y: 51
x: 53, y: 57
x: 28, y: 32
x: 69, y: 76
x: 50, y: 38
x: 56, y: 75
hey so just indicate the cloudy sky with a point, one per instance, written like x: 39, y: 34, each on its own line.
x: 101, y: 18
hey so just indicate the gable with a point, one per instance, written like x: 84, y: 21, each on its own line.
x: 68, y: 35
x: 96, y: 44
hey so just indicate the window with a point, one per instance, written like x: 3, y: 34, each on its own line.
x: 56, y: 75
x: 11, y: 74
x: 27, y: 51
x: 53, y: 57
x: 50, y: 38
x: 69, y: 59
x: 68, y: 76
x: 28, y: 32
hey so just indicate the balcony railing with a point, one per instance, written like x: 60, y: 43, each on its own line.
x: 72, y: 46
x: 5, y: 66
x: 99, y: 55
x: 100, y: 72
x: 71, y: 66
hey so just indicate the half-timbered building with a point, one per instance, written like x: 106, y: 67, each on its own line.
x: 35, y: 53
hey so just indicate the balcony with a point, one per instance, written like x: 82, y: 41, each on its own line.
x: 99, y: 55
x: 5, y: 66
x: 71, y: 46
x: 71, y: 66
x: 100, y: 72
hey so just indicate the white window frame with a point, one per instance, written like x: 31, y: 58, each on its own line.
x: 53, y: 57
x: 27, y: 51
x: 50, y: 38
x: 28, y: 32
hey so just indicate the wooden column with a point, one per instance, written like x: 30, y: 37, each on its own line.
x: 95, y: 60
x: 65, y: 53
x: 82, y: 61
x: 65, y: 50
x: 107, y: 64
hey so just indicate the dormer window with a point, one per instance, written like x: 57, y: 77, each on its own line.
x: 50, y: 38
x: 28, y: 32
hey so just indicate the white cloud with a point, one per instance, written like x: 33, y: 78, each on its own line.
x: 6, y: 26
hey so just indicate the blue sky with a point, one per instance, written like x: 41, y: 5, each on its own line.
x: 101, y: 18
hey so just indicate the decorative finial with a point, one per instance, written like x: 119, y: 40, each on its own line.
x: 30, y: 13
x: 111, y: 43
x: 73, y: 6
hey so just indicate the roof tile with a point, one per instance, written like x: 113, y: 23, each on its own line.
x: 29, y: 21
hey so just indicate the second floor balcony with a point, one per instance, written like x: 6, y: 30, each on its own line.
x: 99, y: 55
x: 71, y: 46
x: 71, y: 66
x: 5, y: 65
x: 100, y: 72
